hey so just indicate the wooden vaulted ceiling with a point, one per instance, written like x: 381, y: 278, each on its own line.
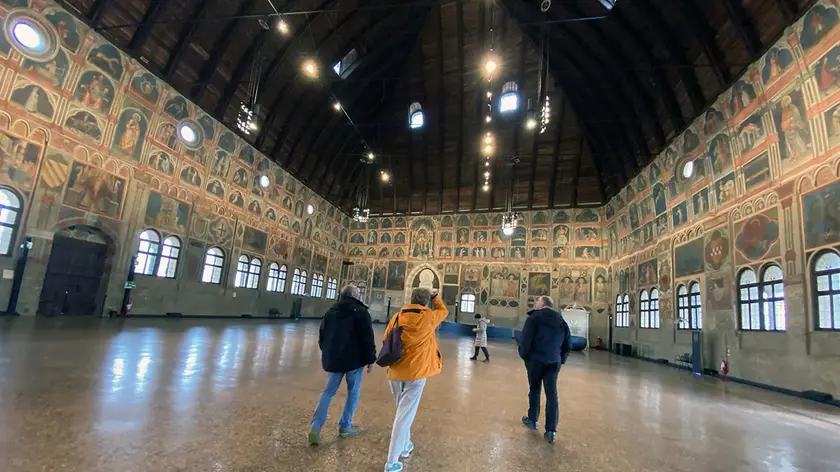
x: 622, y: 84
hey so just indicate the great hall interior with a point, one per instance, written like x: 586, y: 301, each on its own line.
x: 186, y: 180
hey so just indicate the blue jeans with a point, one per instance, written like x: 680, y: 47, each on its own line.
x: 354, y: 384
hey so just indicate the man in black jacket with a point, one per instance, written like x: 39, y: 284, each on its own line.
x: 347, y: 346
x: 544, y: 345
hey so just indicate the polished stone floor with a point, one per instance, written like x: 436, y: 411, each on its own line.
x: 218, y: 396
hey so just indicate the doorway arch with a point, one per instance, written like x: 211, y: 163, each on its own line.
x: 77, y: 273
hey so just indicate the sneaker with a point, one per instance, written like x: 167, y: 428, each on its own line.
x: 486, y: 360
x: 395, y: 467
x: 408, y: 450
x: 350, y: 432
x: 527, y: 422
x: 551, y: 436
x: 473, y: 358
x: 314, y: 438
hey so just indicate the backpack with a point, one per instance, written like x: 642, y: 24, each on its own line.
x: 392, y: 347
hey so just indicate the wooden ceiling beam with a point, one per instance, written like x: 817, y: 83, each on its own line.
x: 694, y: 19
x: 218, y: 51
x: 185, y: 38
x: 245, y: 62
x: 441, y: 110
x: 556, y: 153
x: 480, y: 100
x: 459, y: 149
x: 744, y: 26
x: 141, y: 34
x: 576, y: 195
x: 97, y: 12
x: 541, y: 94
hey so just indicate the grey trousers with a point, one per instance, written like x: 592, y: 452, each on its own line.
x: 407, y: 396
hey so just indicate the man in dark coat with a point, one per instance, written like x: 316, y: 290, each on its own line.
x: 544, y: 345
x: 347, y: 346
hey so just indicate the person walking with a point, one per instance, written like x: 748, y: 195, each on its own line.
x: 347, y: 345
x: 544, y: 345
x: 480, y: 331
x: 420, y: 360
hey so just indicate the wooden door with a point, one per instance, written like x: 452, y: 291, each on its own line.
x: 73, y: 279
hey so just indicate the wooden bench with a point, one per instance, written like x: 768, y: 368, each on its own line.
x: 683, y: 360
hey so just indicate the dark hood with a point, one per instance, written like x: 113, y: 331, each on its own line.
x: 547, y: 317
x: 349, y: 305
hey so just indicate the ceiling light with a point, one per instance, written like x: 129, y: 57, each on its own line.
x: 487, y: 175
x: 283, y: 27
x: 488, y: 139
x: 531, y: 123
x: 486, y: 163
x: 488, y: 149
x: 508, y: 230
x: 310, y: 68
x: 489, y: 94
x: 486, y: 187
x: 488, y: 119
x: 385, y: 176
x: 490, y: 66
x: 252, y: 126
x: 337, y: 106
x: 371, y: 156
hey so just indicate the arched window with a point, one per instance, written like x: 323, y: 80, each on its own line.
x: 9, y: 220
x: 510, y: 98
x: 415, y: 116
x: 654, y: 308
x: 147, y: 253
x: 773, y: 299
x: 826, y: 281
x: 467, y: 303
x: 304, y: 277
x: 317, y: 286
x: 748, y: 305
x: 242, y: 267
x: 622, y: 311
x: 332, y: 288
x: 298, y: 282
x: 644, y: 309
x: 214, y: 261
x: 695, y: 306
x: 682, y: 307
x: 169, y: 257
x: 276, y: 278
x: 254, y: 269
x: 362, y: 290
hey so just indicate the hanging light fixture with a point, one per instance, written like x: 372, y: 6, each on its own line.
x: 249, y: 111
x: 310, y: 68
x: 510, y: 218
x: 361, y: 212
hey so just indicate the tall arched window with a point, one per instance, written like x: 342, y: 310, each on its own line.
x: 147, y: 253
x: 510, y: 98
x: 467, y: 303
x: 654, y: 309
x: 332, y: 288
x: 254, y: 269
x: 214, y: 261
x: 773, y: 299
x: 304, y: 277
x: 169, y: 253
x: 275, y: 283
x: 362, y: 291
x: 826, y: 282
x: 682, y: 308
x: 9, y: 220
x: 748, y: 305
x: 622, y: 311
x: 415, y: 116
x: 317, y: 286
x: 242, y: 267
x: 695, y: 306
x: 298, y: 282
x: 644, y: 309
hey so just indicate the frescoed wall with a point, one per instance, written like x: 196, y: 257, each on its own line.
x: 560, y: 254
x: 90, y: 138
x: 765, y: 191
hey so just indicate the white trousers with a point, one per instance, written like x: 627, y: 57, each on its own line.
x: 407, y: 396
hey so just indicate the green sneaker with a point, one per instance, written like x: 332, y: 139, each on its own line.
x: 350, y: 432
x: 314, y: 438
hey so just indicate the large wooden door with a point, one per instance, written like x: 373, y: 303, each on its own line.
x: 73, y: 279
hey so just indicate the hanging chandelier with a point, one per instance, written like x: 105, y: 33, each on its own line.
x: 361, y: 215
x: 361, y: 212
x: 510, y: 218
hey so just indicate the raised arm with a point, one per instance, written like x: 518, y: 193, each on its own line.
x: 440, y: 312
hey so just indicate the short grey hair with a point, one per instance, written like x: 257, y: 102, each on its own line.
x: 547, y: 301
x: 351, y: 291
x: 421, y: 296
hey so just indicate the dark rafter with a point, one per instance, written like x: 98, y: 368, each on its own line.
x: 700, y: 29
x: 742, y: 23
x: 185, y: 38
x: 220, y: 47
x: 552, y: 188
x: 541, y: 94
x: 459, y: 150
x: 96, y: 12
x: 245, y: 62
x: 441, y: 111
x: 141, y: 34
x: 479, y: 100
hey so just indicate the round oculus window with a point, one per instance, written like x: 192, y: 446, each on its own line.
x: 687, y: 169
x: 310, y: 209
x: 32, y: 35
x: 264, y: 181
x: 190, y: 134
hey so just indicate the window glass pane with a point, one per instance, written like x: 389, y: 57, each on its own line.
x: 5, y: 239
x: 747, y: 277
x: 836, y: 324
x: 828, y: 261
x: 824, y: 309
x: 509, y: 102
x: 835, y: 281
x: 822, y: 283
x: 682, y: 290
x: 9, y: 199
x: 8, y: 216
x: 772, y: 273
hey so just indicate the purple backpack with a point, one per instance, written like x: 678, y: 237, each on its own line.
x: 391, y: 351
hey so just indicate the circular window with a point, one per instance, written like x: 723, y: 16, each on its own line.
x: 190, y: 134
x: 264, y: 181
x: 310, y: 209
x: 687, y: 169
x: 33, y: 36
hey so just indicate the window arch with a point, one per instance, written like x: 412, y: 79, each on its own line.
x: 622, y: 311
x: 242, y: 267
x: 695, y: 306
x: 254, y: 268
x: 826, y: 281
x: 317, y: 286
x: 682, y: 307
x: 467, y: 303
x: 332, y: 288
x: 416, y: 118
x: 169, y: 253
x: 296, y: 283
x: 147, y: 253
x: 509, y: 101
x: 644, y: 309
x: 10, y: 211
x: 654, y: 309
x: 761, y: 303
x: 276, y: 278
x: 214, y: 261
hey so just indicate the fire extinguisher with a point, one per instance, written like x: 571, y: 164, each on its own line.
x: 599, y: 343
x: 724, y: 366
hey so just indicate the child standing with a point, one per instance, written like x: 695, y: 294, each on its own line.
x: 480, y: 331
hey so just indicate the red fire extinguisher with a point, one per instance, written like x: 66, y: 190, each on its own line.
x: 724, y: 367
x: 599, y: 343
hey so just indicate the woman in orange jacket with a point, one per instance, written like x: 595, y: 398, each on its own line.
x: 420, y: 360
